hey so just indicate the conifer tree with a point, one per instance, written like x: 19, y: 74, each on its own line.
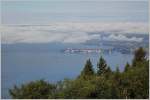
x: 139, y: 56
x: 117, y: 70
x: 88, y: 69
x: 108, y: 70
x: 127, y: 67
x: 102, y: 66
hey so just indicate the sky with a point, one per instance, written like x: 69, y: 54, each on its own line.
x: 43, y: 12
x: 71, y: 21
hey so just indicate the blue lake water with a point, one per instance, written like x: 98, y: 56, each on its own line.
x: 22, y: 63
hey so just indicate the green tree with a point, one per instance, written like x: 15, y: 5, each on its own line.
x: 136, y: 82
x: 108, y: 73
x: 117, y: 70
x: 139, y: 56
x: 127, y: 66
x: 34, y: 90
x: 80, y: 89
x: 101, y: 66
x: 88, y: 70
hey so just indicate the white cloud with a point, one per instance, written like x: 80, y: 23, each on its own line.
x: 41, y: 36
x: 70, y: 32
x: 121, y: 37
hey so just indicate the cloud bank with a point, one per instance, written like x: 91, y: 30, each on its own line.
x: 43, y: 36
x: 71, y: 32
x: 121, y: 37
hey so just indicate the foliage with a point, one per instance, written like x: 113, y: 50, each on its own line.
x: 102, y: 66
x: 88, y: 71
x: 33, y: 90
x: 132, y: 83
x: 139, y: 56
x: 127, y: 67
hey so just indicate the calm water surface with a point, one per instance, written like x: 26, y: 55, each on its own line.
x: 22, y: 64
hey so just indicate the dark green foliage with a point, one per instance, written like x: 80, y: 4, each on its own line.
x: 127, y: 67
x: 139, y: 56
x: 101, y: 66
x: 117, y: 70
x: 33, y: 90
x: 108, y: 72
x: 132, y: 83
x: 135, y: 81
x: 88, y: 71
x: 79, y: 89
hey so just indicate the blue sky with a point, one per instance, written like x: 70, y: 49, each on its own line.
x: 48, y: 11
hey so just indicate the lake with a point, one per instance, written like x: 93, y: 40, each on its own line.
x: 22, y: 63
